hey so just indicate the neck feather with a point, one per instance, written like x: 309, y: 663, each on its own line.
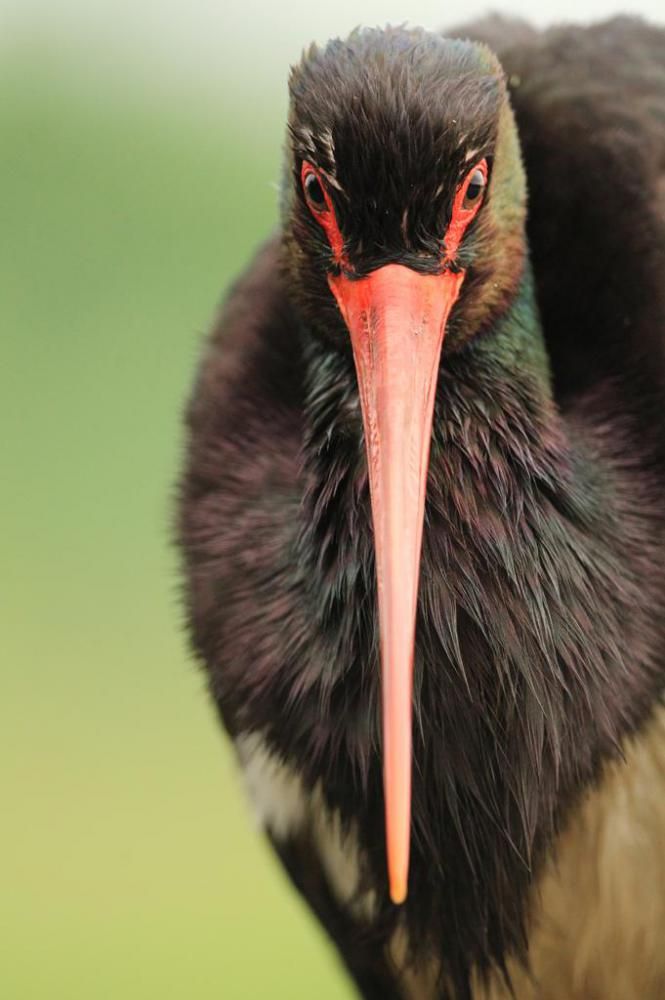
x: 527, y: 675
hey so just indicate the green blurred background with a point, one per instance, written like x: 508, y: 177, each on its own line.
x: 139, y: 150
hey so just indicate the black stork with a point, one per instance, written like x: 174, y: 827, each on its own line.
x: 423, y: 510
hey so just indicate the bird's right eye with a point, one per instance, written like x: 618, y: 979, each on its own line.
x: 314, y: 193
x: 320, y: 205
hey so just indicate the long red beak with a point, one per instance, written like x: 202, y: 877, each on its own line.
x: 397, y: 319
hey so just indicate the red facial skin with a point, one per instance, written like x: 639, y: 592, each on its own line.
x: 460, y: 219
x: 462, y: 216
x: 324, y: 216
x: 396, y: 319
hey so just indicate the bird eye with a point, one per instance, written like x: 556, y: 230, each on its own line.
x: 475, y: 188
x: 468, y: 199
x: 320, y: 205
x: 314, y: 192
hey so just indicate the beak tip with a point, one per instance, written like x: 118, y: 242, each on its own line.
x: 398, y: 889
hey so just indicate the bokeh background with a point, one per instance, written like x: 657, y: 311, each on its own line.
x: 139, y: 154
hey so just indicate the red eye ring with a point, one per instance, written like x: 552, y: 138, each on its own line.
x: 464, y: 210
x: 475, y: 185
x: 476, y: 177
x: 320, y: 205
x: 314, y: 189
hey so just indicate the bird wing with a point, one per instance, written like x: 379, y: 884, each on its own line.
x: 362, y: 954
x: 590, y: 109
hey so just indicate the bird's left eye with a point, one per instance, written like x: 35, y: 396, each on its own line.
x: 475, y: 188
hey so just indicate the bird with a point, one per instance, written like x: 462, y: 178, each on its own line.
x: 421, y: 510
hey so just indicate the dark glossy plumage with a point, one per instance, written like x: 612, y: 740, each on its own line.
x: 541, y: 624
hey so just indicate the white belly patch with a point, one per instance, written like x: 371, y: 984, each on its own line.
x: 285, y: 807
x: 598, y: 909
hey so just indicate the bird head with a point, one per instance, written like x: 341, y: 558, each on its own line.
x: 403, y: 221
